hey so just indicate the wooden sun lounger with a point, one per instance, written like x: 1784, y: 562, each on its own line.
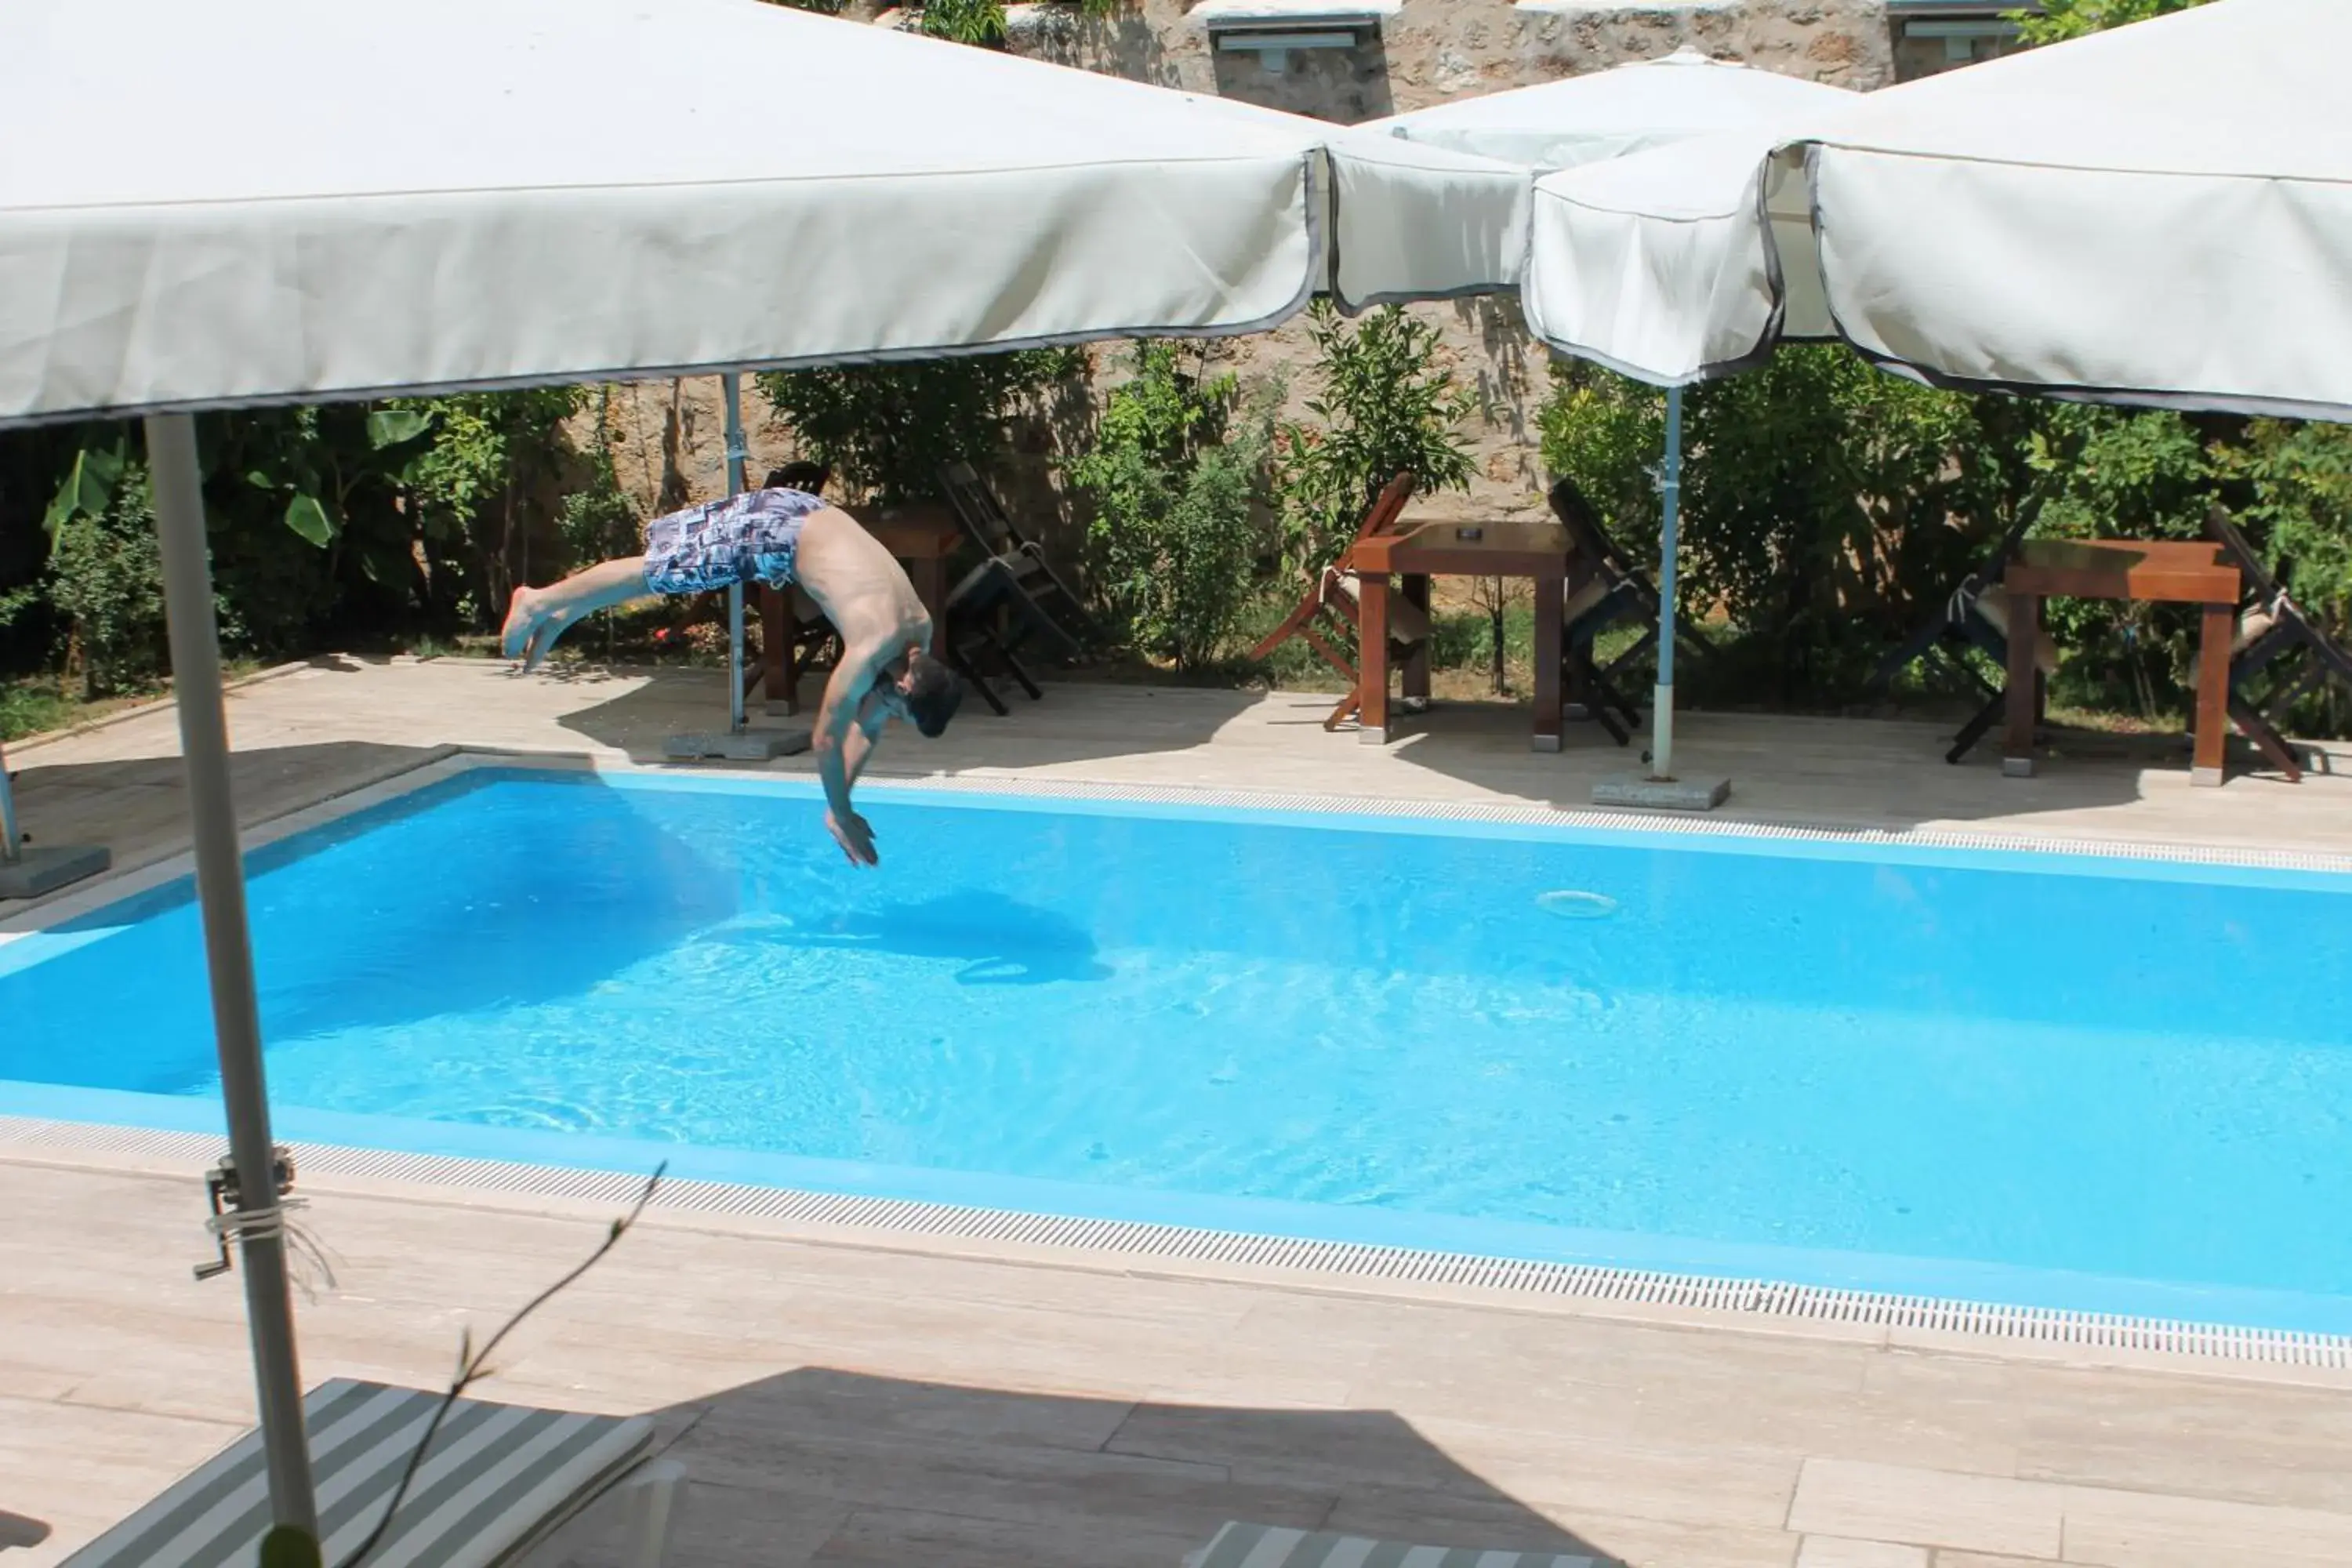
x: 497, y: 1479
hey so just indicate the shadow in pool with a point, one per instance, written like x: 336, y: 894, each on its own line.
x: 1000, y: 941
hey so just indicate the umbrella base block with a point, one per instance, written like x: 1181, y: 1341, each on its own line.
x: 750, y: 746
x: 36, y: 871
x: 1661, y: 794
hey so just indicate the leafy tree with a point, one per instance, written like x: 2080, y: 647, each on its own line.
x: 1383, y: 406
x: 485, y: 483
x: 1176, y: 475
x: 887, y: 428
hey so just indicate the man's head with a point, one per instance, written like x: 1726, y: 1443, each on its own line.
x: 927, y: 693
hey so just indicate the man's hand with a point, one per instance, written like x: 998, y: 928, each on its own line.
x: 856, y: 837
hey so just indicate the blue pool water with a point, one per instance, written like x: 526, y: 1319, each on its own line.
x: 2101, y: 1084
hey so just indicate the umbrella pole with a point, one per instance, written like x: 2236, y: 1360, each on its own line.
x: 732, y: 386
x: 1670, y: 497
x: 237, y: 1018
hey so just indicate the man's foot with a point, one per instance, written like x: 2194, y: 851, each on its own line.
x: 532, y: 625
x: 522, y: 622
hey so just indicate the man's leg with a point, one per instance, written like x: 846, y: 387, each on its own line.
x: 538, y: 617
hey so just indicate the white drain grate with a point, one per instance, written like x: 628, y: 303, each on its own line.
x: 1181, y: 1244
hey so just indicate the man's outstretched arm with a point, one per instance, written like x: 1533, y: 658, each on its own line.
x: 841, y: 745
x: 857, y: 750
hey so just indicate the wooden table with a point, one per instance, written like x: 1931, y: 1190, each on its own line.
x: 1539, y: 551
x: 2163, y: 572
x: 922, y: 536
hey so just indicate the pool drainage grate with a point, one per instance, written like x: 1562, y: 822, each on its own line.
x: 1758, y: 1297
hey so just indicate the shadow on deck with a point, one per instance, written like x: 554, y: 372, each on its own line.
x: 822, y: 1468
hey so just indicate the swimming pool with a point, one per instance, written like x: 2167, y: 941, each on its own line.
x: 2082, y: 1082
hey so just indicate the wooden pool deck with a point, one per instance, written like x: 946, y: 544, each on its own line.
x: 847, y: 1396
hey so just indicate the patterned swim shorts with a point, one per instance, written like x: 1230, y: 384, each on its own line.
x: 754, y: 537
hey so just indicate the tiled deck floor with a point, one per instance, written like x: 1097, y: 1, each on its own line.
x: 862, y: 1399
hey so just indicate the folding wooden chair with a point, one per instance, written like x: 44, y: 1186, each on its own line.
x: 991, y: 530
x: 1611, y: 590
x: 1975, y: 614
x: 1325, y: 618
x: 990, y: 619
x: 1951, y: 627
x: 2273, y: 630
x: 1582, y: 520
x: 1983, y: 620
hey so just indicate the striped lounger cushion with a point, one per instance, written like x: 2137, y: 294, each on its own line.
x: 1272, y: 1546
x: 497, y: 1477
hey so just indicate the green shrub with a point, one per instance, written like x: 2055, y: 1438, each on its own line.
x: 106, y: 576
x: 32, y: 707
x: 1822, y: 501
x: 1177, y: 476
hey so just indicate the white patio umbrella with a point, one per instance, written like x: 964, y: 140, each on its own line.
x: 1599, y: 119
x: 2160, y: 214
x: 251, y: 202
x: 1607, y: 114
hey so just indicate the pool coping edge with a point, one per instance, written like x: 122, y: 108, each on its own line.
x: 1762, y: 1303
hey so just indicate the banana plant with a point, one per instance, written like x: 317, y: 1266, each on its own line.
x: 88, y: 486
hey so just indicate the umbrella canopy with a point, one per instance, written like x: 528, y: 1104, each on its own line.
x: 1608, y: 114
x: 257, y: 201
x: 2159, y: 214
x: 1658, y: 265
x: 290, y: 201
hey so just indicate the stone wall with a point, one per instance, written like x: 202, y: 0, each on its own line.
x: 1429, y: 51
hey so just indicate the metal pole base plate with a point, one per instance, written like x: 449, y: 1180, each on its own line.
x: 750, y: 746
x: 46, y: 868
x: 1661, y: 794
